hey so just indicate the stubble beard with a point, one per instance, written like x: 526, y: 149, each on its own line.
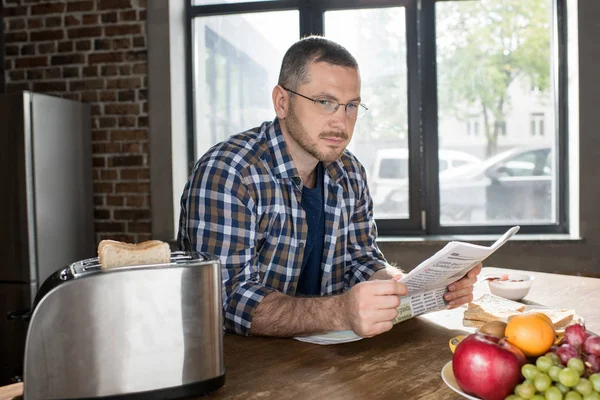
x: 300, y: 136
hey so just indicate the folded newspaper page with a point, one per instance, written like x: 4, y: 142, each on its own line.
x: 428, y: 282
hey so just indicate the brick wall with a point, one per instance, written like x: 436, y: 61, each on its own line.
x: 93, y: 51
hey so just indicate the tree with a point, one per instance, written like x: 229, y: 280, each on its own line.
x: 482, y: 48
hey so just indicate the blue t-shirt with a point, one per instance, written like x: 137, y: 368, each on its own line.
x: 312, y: 203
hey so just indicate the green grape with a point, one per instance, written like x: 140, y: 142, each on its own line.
x: 573, y: 396
x: 553, y: 393
x: 577, y: 365
x: 584, y: 386
x: 538, y: 397
x: 563, y: 389
x: 513, y: 397
x: 544, y: 363
x: 592, y: 396
x: 595, y: 379
x: 553, y: 372
x: 526, y: 390
x: 554, y: 357
x: 529, y: 371
x: 568, y: 377
x: 542, y: 382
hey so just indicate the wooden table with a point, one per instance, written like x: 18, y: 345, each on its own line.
x: 404, y: 363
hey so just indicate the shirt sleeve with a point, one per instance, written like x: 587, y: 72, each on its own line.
x: 364, y: 256
x: 217, y: 217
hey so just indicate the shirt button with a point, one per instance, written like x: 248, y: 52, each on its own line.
x: 292, y: 288
x: 301, y: 245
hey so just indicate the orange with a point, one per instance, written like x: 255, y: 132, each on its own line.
x: 533, y: 333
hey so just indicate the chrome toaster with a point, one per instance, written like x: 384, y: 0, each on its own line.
x: 143, y: 332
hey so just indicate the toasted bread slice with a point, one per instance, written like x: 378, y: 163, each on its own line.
x: 489, y: 308
x: 112, y: 253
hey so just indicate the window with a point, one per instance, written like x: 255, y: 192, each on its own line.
x: 466, y: 101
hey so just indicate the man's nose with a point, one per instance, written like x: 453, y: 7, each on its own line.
x: 339, y: 117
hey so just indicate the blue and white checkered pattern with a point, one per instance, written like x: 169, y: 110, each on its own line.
x: 242, y: 204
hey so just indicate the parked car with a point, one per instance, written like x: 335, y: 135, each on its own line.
x: 390, y: 172
x: 515, y: 185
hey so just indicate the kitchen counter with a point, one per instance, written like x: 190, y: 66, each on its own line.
x: 405, y: 362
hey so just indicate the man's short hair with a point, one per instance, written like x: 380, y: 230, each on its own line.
x: 294, y: 67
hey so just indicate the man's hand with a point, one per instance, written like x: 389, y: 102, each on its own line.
x: 370, y: 307
x: 461, y: 291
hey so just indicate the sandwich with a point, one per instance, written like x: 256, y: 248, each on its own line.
x: 494, y: 308
x: 112, y: 253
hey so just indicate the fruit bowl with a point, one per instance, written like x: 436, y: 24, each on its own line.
x: 510, y: 286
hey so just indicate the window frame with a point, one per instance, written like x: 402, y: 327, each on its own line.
x: 423, y: 169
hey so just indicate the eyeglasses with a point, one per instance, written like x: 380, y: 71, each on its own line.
x: 328, y: 106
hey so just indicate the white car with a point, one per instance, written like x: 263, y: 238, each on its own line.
x: 390, y: 172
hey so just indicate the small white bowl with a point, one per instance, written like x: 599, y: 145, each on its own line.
x: 514, y: 288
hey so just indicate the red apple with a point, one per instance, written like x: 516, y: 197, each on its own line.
x: 487, y: 367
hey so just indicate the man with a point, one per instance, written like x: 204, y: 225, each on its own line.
x: 287, y: 210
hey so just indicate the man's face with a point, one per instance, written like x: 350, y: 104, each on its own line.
x: 323, y: 136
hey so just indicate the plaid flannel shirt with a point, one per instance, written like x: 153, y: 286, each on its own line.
x: 242, y: 204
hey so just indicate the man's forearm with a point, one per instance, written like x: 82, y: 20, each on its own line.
x: 387, y: 273
x: 284, y: 316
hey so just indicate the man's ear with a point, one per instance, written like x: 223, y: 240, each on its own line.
x: 281, y: 102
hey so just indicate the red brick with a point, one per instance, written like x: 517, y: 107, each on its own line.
x: 121, y: 237
x: 142, y: 122
x: 145, y: 107
x: 88, y: 31
x: 107, y: 96
x: 96, y: 109
x: 15, y: 24
x: 70, y: 72
x: 125, y: 70
x: 16, y: 75
x: 139, y: 227
x: 48, y: 8
x: 65, y: 47
x: 80, y: 6
x: 83, y: 45
x: 110, y: 17
x: 86, y: 84
x: 35, y: 23
x: 135, y: 201
x: 140, y: 69
x: 52, y: 73
x: 89, y: 97
x: 109, y: 226
x: 121, y: 43
x: 35, y: 74
x: 47, y: 48
x: 98, y: 161
x: 123, y: 30
x: 107, y: 122
x: 101, y: 214
x: 124, y: 83
x: 15, y: 11
x: 31, y: 62
x: 109, y: 174
x: 121, y: 109
x: 127, y: 95
x: 101, y: 58
x: 103, y: 187
x: 142, y: 15
x: 128, y: 122
x: 91, y: 19
x: 72, y: 20
x: 98, y: 200
x: 68, y: 59
x: 129, y: 15
x: 50, y: 86
x: 139, y: 41
x: 132, y: 215
x: 90, y: 71
x: 17, y: 87
x: 133, y: 134
x: 115, y: 200
x: 52, y: 22
x: 113, y: 4
x: 28, y: 49
x: 11, y: 50
x: 132, y: 187
x: 71, y: 96
x: 11, y: 37
x: 126, y: 161
x: 38, y: 36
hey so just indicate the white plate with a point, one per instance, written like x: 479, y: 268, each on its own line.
x: 448, y: 377
x: 335, y: 337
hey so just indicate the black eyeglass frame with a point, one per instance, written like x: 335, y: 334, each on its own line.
x: 358, y: 111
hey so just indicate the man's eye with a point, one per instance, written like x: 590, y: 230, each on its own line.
x: 353, y: 106
x: 324, y: 102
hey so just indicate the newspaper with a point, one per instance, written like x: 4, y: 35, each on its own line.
x: 427, y: 283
